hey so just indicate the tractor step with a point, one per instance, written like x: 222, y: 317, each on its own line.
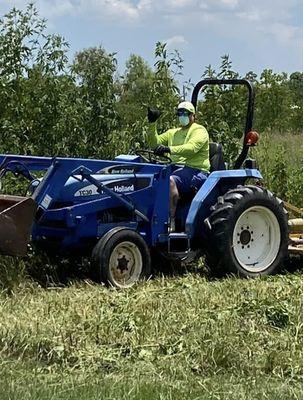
x: 178, y: 243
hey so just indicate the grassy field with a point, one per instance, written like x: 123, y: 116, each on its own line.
x: 174, y: 337
x: 183, y: 337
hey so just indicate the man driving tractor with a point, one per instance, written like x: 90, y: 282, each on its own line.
x: 188, y: 145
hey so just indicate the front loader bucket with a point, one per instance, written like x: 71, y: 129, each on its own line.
x: 16, y: 218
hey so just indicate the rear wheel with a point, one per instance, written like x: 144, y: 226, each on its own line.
x: 248, y: 232
x: 121, y: 258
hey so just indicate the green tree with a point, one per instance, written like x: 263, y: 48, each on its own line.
x: 273, y: 102
x: 134, y: 88
x: 223, y: 110
x: 166, y: 92
x: 30, y: 62
x: 295, y: 84
x: 94, y: 71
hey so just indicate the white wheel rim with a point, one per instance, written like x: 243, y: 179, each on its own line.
x: 256, y: 239
x: 125, y: 264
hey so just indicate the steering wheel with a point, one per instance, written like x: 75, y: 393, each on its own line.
x: 150, y: 157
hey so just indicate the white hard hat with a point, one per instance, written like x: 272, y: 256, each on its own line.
x: 187, y: 105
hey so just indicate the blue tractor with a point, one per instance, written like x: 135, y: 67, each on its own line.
x: 117, y: 212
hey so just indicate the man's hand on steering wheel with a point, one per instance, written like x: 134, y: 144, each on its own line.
x: 161, y: 150
x: 150, y: 157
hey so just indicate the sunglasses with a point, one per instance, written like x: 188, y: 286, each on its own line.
x: 183, y: 112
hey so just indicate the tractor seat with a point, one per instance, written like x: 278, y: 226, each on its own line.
x: 216, y: 157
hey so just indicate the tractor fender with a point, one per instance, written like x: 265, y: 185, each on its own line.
x: 105, y: 238
x: 207, y: 196
x: 111, y: 231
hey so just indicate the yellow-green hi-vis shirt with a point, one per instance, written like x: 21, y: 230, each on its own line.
x: 189, y: 146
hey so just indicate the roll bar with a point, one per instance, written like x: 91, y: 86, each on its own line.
x: 250, y: 107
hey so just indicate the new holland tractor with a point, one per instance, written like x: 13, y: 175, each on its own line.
x: 117, y: 212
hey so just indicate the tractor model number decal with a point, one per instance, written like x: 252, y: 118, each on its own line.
x: 118, y: 186
x: 89, y: 190
x: 85, y: 192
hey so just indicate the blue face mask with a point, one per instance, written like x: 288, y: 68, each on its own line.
x: 183, y: 120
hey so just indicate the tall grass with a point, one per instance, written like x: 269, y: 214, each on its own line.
x: 280, y: 159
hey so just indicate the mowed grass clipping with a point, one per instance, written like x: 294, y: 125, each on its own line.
x: 170, y: 338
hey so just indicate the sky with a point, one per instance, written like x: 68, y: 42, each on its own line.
x: 256, y: 34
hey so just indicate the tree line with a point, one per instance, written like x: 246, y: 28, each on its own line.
x: 51, y: 106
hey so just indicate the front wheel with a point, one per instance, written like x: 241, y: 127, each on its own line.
x: 121, y: 258
x: 248, y: 233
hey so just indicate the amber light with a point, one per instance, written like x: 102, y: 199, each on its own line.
x: 251, y: 138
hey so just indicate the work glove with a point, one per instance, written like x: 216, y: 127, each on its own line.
x: 153, y: 114
x: 161, y: 150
